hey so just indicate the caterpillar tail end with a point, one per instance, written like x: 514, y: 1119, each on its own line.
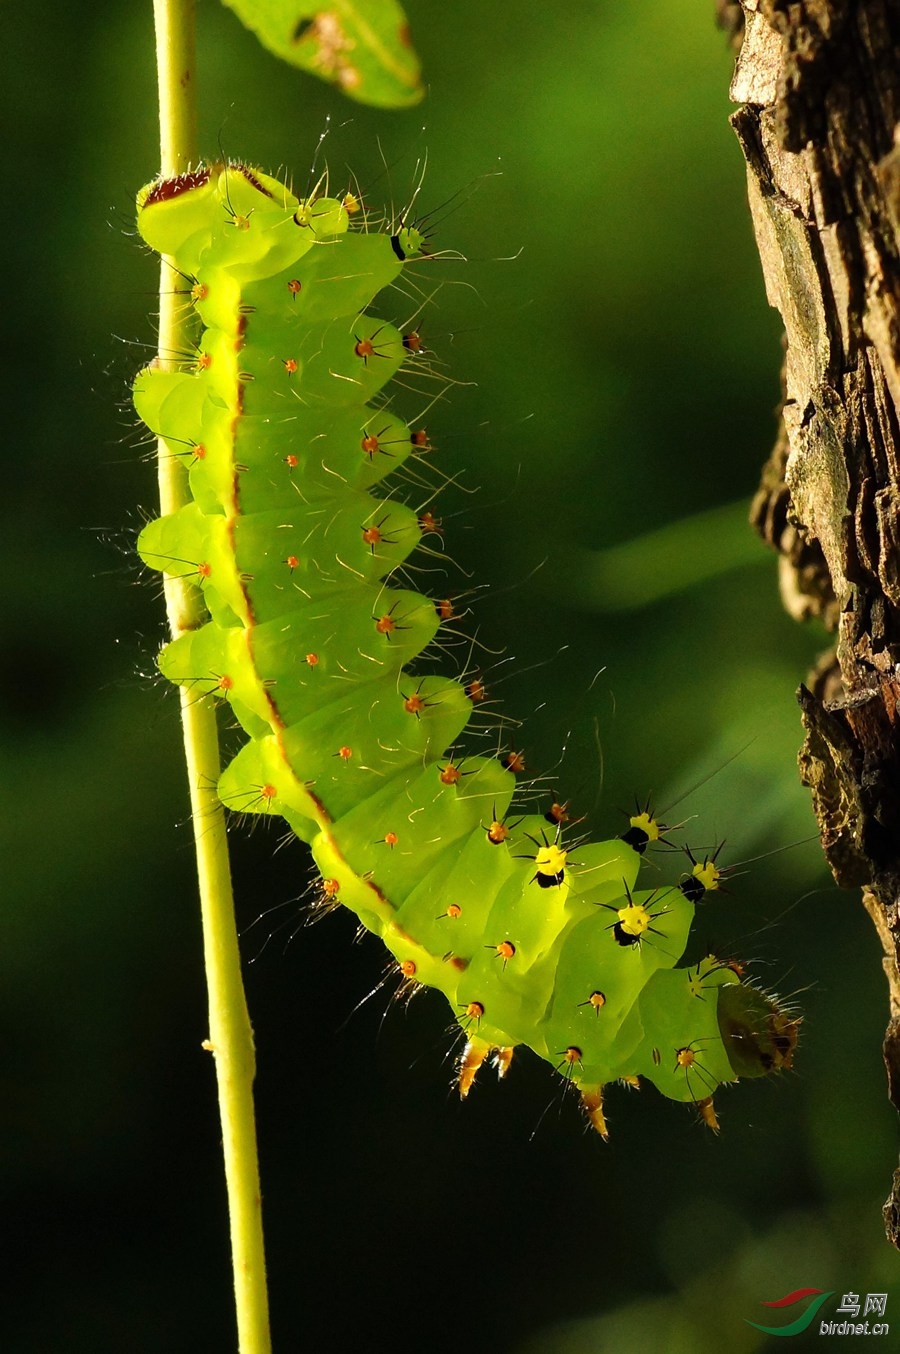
x: 707, y: 1111
x: 592, y: 1104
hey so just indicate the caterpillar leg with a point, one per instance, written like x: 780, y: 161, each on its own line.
x: 502, y: 1059
x: 592, y: 1104
x: 708, y: 1113
x: 473, y: 1055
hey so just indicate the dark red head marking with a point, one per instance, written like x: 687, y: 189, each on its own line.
x: 164, y: 190
x: 250, y: 177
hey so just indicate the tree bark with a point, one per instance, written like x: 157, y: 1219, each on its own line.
x: 818, y: 82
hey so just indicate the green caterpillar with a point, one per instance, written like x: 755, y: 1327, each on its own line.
x: 534, y: 936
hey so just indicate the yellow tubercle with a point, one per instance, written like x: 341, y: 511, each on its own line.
x: 550, y: 860
x: 634, y: 919
x: 646, y: 824
x: 708, y: 874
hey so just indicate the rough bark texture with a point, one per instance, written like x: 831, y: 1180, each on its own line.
x: 819, y: 125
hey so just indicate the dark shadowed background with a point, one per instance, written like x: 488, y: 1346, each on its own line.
x: 619, y: 373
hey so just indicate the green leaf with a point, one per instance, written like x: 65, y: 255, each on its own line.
x: 362, y: 46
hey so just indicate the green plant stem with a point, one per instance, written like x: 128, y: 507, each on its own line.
x: 230, y: 1033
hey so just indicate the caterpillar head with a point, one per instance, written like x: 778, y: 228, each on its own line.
x: 235, y: 210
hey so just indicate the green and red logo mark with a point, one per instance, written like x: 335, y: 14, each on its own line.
x: 850, y: 1305
x: 801, y: 1322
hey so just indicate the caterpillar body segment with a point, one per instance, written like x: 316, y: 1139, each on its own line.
x: 533, y: 935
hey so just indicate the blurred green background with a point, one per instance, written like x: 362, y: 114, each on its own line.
x: 619, y: 373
